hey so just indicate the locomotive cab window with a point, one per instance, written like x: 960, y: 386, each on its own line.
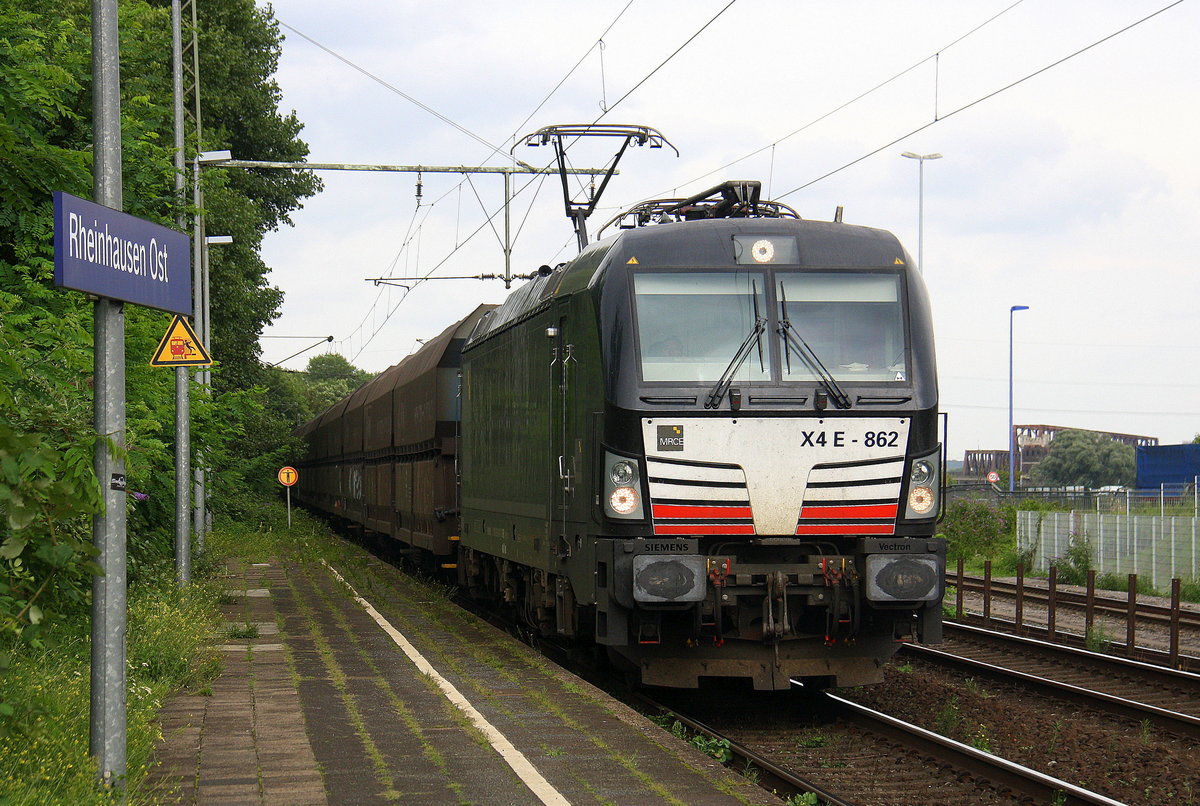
x: 852, y: 323
x: 691, y: 326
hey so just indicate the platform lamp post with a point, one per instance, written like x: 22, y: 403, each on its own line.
x: 1012, y: 437
x: 920, y: 158
x: 201, y: 308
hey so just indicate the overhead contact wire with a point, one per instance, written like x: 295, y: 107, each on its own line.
x: 397, y: 90
x: 862, y: 95
x: 983, y: 98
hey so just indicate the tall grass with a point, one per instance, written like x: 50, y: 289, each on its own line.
x: 44, y: 741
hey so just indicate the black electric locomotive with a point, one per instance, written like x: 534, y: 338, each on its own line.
x: 707, y: 444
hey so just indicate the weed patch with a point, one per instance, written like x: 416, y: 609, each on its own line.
x: 44, y: 739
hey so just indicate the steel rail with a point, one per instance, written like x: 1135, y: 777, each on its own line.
x: 1001, y: 772
x: 1161, y: 675
x: 1148, y: 655
x: 1108, y: 604
x: 1172, y: 721
x: 772, y: 777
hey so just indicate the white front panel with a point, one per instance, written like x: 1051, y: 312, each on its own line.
x: 776, y: 457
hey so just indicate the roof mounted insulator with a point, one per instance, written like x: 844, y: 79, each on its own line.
x: 733, y: 199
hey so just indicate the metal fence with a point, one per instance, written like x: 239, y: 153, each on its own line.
x: 1174, y: 499
x: 1157, y: 547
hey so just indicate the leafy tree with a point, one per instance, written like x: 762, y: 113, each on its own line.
x: 239, y: 54
x: 335, y: 367
x: 331, y: 377
x: 1085, y: 459
x: 48, y: 490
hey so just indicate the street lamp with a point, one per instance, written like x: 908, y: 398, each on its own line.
x: 200, y: 314
x: 1012, y: 438
x: 920, y: 158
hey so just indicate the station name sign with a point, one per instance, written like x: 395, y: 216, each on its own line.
x: 112, y: 254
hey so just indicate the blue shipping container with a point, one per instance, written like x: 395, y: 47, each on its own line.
x: 1173, y: 465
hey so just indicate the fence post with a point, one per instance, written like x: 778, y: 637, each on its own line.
x: 958, y: 592
x: 1090, y: 611
x: 987, y: 594
x: 1020, y: 614
x: 1117, y: 552
x: 1154, y: 532
x: 1175, y: 593
x: 1173, y: 519
x: 1136, y: 523
x: 1051, y: 602
x: 1131, y: 616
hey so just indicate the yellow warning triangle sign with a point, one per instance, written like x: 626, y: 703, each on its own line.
x: 180, y: 347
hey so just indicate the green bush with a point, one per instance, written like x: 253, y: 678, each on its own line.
x: 1120, y: 582
x: 44, y: 728
x: 975, y: 528
x: 1074, y: 567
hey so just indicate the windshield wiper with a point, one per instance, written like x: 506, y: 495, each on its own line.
x: 793, y: 340
x: 717, y: 393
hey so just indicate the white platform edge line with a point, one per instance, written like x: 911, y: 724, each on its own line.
x: 540, y: 787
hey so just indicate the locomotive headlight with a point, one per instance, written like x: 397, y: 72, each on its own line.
x: 622, y: 492
x: 923, y: 476
x: 763, y: 251
x: 902, y: 578
x: 920, y: 500
x: 623, y: 500
x: 623, y: 474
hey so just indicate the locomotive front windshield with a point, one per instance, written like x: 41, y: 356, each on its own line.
x: 852, y: 322
x: 694, y: 326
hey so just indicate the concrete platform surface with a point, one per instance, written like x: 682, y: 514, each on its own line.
x: 356, y: 684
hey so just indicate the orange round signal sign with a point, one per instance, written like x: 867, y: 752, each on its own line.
x: 288, y: 476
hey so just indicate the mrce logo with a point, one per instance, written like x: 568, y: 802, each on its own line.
x: 670, y: 437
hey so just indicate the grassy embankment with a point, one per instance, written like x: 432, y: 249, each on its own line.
x: 171, y: 632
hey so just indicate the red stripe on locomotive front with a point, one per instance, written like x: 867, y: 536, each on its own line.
x: 686, y: 511
x: 703, y: 528
x: 844, y: 529
x: 871, y: 511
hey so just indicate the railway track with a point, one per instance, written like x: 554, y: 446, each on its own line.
x: 860, y: 756
x: 1101, y: 602
x: 1153, y: 633
x: 795, y: 742
x: 1168, y: 699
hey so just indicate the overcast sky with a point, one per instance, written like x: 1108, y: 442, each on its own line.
x: 1075, y: 192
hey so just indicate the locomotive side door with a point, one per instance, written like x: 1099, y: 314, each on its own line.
x: 564, y: 457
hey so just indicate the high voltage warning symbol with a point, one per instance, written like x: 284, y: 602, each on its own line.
x: 180, y: 347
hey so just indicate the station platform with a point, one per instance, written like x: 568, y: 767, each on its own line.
x: 360, y: 685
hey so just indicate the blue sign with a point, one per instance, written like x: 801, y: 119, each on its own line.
x: 112, y: 254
